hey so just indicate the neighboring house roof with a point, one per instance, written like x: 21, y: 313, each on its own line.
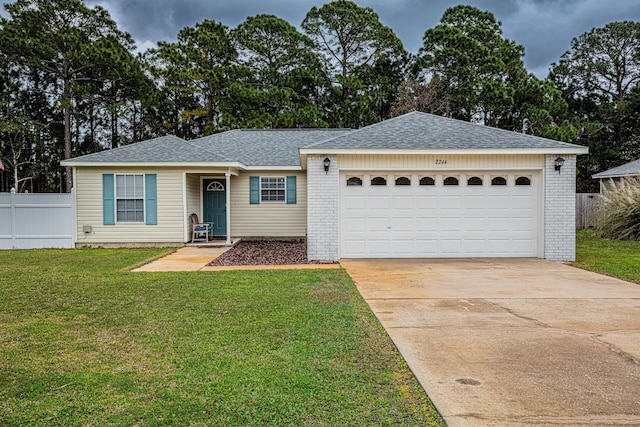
x: 628, y: 169
x: 422, y: 131
x: 287, y: 148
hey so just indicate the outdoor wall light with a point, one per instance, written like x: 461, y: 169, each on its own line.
x: 326, y: 163
x: 558, y: 164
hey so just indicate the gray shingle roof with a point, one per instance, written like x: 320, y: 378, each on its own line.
x: 427, y: 131
x: 280, y: 147
x: 628, y: 169
x: 271, y: 147
x: 165, y: 149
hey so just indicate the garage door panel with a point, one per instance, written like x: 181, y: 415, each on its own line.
x: 401, y: 203
x: 523, y: 224
x: 379, y: 247
x: 354, y: 201
x: 475, y: 224
x: 402, y: 224
x: 498, y: 247
x: 354, y: 225
x: 426, y: 247
x: 450, y: 247
x: 426, y: 225
x: 402, y: 247
x: 497, y: 224
x: 378, y: 224
x: 475, y: 202
x: 424, y: 202
x: 356, y: 248
x: 475, y: 247
x: 378, y: 202
x: 450, y: 202
x: 450, y: 224
x: 440, y: 221
x: 522, y: 247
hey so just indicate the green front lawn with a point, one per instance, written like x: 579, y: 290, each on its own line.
x: 83, y: 342
x: 616, y: 258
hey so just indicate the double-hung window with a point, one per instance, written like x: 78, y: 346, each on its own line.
x: 130, y: 198
x: 273, y: 189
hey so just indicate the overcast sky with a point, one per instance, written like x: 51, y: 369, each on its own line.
x: 544, y: 27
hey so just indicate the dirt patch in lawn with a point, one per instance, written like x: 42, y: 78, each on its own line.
x: 264, y: 252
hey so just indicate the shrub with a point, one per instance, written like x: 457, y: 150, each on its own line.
x: 618, y: 215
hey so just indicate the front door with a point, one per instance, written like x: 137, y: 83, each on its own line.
x: 214, y: 199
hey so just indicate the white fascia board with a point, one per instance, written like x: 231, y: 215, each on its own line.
x: 274, y: 168
x: 228, y: 165
x: 463, y: 151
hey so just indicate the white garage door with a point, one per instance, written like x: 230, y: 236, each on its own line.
x: 463, y: 214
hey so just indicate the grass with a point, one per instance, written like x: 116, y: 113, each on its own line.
x: 616, y: 258
x: 83, y: 342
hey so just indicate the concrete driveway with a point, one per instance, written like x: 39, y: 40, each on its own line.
x: 512, y: 342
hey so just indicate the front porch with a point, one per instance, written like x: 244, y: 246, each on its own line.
x: 207, y: 194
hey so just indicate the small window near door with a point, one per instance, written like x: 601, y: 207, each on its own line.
x: 498, y: 180
x: 272, y: 189
x: 474, y: 180
x: 355, y: 181
x: 451, y: 180
x: 523, y: 180
x: 427, y: 180
x: 403, y: 180
x: 378, y: 180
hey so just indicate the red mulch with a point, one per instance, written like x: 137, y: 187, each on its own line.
x: 264, y: 252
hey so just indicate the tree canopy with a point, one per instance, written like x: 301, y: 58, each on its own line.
x: 72, y: 83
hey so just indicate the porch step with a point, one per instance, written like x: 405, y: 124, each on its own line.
x: 213, y: 243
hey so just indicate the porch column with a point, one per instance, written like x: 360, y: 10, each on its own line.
x: 227, y: 205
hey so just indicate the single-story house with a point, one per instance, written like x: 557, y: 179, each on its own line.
x: 614, y: 174
x: 417, y: 185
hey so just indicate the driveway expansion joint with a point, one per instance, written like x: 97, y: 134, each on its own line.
x: 593, y: 337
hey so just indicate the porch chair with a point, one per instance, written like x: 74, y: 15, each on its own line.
x: 200, y: 231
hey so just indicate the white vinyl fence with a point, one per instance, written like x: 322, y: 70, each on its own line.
x: 29, y: 221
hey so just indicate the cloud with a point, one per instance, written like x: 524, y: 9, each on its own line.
x: 544, y: 27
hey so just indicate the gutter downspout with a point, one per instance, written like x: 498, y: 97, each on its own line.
x: 227, y: 205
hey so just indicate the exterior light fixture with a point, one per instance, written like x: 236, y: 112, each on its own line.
x: 326, y: 163
x: 558, y: 164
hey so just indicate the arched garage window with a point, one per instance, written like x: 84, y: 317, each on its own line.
x: 354, y: 181
x: 378, y: 180
x: 403, y: 180
x: 474, y: 180
x: 427, y: 180
x: 498, y: 180
x: 523, y: 180
x: 451, y: 180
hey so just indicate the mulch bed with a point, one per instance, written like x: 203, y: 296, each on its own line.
x: 264, y: 252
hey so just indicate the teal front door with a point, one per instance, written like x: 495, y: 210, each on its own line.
x: 214, y: 198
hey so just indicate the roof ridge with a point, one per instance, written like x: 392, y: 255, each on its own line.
x: 291, y: 129
x: 206, y: 148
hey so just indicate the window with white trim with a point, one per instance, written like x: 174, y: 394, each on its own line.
x: 273, y: 189
x: 130, y: 198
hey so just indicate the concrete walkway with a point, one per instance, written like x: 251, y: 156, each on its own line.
x: 512, y: 342
x: 196, y: 258
x: 189, y: 258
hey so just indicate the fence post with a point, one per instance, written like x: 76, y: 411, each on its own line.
x: 13, y: 217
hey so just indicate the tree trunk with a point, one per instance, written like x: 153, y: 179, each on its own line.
x: 66, y: 99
